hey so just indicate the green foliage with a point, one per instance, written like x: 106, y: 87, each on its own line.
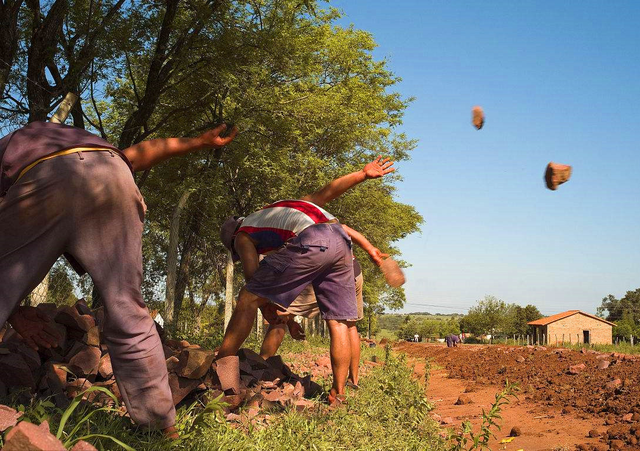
x: 428, y: 328
x: 625, y: 312
x: 494, y: 316
x: 465, y: 439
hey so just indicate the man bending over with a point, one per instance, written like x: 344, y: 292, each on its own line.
x: 312, y: 248
x: 66, y: 191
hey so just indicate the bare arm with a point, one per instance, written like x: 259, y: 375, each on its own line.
x: 336, y: 188
x: 358, y: 238
x: 248, y: 254
x: 147, y: 154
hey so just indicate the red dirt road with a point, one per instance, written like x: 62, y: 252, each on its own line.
x: 564, y: 394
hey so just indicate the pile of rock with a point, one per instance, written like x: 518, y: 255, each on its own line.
x: 82, y: 360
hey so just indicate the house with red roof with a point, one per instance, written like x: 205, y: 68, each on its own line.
x: 573, y: 327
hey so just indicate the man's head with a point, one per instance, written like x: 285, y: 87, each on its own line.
x: 227, y: 232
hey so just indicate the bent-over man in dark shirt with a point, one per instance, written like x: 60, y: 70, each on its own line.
x: 66, y: 191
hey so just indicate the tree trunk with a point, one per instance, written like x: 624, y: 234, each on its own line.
x: 172, y: 260
x: 8, y: 38
x: 259, y: 324
x: 228, y: 298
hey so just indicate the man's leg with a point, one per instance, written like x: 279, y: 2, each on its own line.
x: 272, y: 340
x: 107, y: 242
x: 241, y: 323
x: 340, y: 355
x: 33, y: 230
x: 354, y: 342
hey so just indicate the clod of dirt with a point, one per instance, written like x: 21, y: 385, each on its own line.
x: 604, y: 364
x: 556, y: 174
x: 594, y: 434
x: 520, y: 359
x: 477, y: 118
x: 613, y: 384
x: 463, y: 399
x: 515, y: 432
x: 577, y: 369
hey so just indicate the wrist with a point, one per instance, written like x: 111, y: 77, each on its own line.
x: 362, y: 175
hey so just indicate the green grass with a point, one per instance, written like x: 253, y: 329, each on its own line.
x: 388, y: 412
x: 386, y: 333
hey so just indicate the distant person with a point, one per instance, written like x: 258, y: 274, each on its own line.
x: 416, y: 338
x: 452, y: 341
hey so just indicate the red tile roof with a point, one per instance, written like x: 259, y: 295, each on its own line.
x: 563, y: 315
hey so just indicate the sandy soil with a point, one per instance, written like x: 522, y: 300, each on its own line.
x: 564, y: 394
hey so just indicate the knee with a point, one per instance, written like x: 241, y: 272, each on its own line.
x: 247, y: 299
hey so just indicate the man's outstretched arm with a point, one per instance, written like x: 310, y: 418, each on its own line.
x: 373, y: 170
x: 147, y: 154
x: 376, y: 255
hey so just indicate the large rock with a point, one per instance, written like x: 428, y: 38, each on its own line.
x: 29, y: 437
x: 30, y: 356
x: 70, y: 317
x: 14, y: 371
x: 49, y: 308
x: 92, y: 337
x: 74, y: 388
x: 253, y: 359
x: 181, y: 387
x: 104, y: 367
x: 86, y: 361
x: 8, y: 417
x: 556, y: 174
x: 56, y: 379
x: 194, y: 363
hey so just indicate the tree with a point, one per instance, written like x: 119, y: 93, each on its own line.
x: 625, y: 312
x: 309, y: 98
x: 522, y: 316
x: 613, y: 309
x: 490, y: 316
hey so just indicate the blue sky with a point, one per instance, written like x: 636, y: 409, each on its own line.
x: 559, y: 81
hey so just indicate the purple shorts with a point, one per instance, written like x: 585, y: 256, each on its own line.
x: 320, y: 256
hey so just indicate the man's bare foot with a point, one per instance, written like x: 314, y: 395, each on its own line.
x: 171, y: 433
x: 296, y: 330
x: 335, y: 399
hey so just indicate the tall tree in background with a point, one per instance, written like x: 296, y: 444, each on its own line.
x: 310, y: 100
x: 625, y: 312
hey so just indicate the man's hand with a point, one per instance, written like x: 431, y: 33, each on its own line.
x: 296, y: 330
x: 271, y: 313
x: 33, y: 326
x: 377, y: 256
x: 213, y: 139
x: 378, y: 168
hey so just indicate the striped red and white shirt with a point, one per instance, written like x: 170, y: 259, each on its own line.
x: 277, y: 223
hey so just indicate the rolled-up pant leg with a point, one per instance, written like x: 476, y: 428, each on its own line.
x: 108, y: 244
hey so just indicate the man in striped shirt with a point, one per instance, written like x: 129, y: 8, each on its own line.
x: 311, y: 247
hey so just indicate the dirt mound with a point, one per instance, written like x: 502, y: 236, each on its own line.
x: 555, y: 377
x: 82, y: 360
